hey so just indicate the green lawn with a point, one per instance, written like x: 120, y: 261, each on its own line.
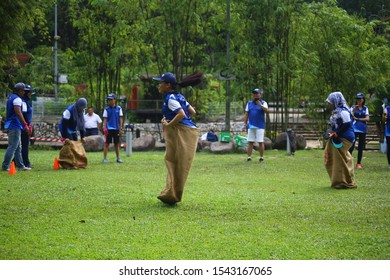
x: 282, y: 209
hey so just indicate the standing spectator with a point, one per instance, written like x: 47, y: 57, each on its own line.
x: 181, y: 138
x: 93, y: 123
x: 72, y: 121
x: 27, y: 112
x: 15, y: 124
x: 112, y: 126
x: 361, y: 116
x: 338, y: 160
x: 254, y: 120
x: 386, y: 118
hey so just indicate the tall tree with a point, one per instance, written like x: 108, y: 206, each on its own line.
x: 17, y: 17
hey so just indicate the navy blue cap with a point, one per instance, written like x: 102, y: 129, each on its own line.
x: 359, y: 95
x: 29, y: 88
x: 20, y: 86
x: 167, y: 78
x: 257, y: 90
x: 111, y: 96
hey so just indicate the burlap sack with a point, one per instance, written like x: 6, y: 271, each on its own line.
x: 73, y: 156
x: 339, y: 165
x: 181, y: 143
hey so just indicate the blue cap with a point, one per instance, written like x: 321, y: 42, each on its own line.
x: 111, y: 96
x: 20, y: 86
x: 29, y: 88
x: 167, y: 78
x: 257, y: 90
x: 359, y: 95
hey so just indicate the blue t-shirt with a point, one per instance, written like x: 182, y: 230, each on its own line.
x: 113, y: 115
x: 68, y: 123
x: 12, y: 121
x: 173, y: 102
x: 256, y: 114
x: 27, y: 109
x: 341, y: 123
x: 360, y: 126
x: 387, y: 128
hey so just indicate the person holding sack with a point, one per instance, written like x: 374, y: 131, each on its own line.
x: 72, y: 154
x: 72, y: 121
x: 180, y: 134
x: 337, y: 158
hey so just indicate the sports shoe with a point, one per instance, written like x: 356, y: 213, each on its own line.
x: 118, y: 160
x: 105, y: 160
x: 249, y: 159
x: 24, y: 168
x: 261, y: 160
x: 358, y: 166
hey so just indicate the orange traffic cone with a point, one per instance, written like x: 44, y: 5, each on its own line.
x: 12, y: 169
x: 56, y: 164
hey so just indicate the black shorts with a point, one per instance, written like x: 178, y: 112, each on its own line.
x: 113, y: 135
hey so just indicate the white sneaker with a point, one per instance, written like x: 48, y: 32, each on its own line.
x: 24, y: 168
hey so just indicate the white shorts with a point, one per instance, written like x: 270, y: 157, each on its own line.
x: 256, y: 135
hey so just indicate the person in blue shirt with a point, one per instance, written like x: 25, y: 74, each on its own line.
x: 14, y: 125
x: 337, y: 158
x: 254, y: 120
x: 360, y: 116
x: 112, y: 126
x: 72, y: 121
x: 386, y: 119
x: 180, y: 135
x: 27, y: 111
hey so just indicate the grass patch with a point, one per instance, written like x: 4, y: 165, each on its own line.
x: 282, y: 209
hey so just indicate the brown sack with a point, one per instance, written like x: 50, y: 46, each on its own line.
x: 73, y: 156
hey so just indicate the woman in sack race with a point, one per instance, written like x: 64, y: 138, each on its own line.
x: 72, y: 154
x: 181, y: 138
x: 73, y: 121
x: 337, y: 158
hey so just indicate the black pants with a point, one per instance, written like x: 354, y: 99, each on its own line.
x: 91, y: 131
x: 25, y: 141
x: 388, y: 148
x: 361, y: 145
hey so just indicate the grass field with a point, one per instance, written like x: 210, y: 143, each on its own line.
x: 282, y: 209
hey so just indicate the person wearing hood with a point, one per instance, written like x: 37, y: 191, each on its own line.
x: 337, y: 158
x: 72, y: 121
